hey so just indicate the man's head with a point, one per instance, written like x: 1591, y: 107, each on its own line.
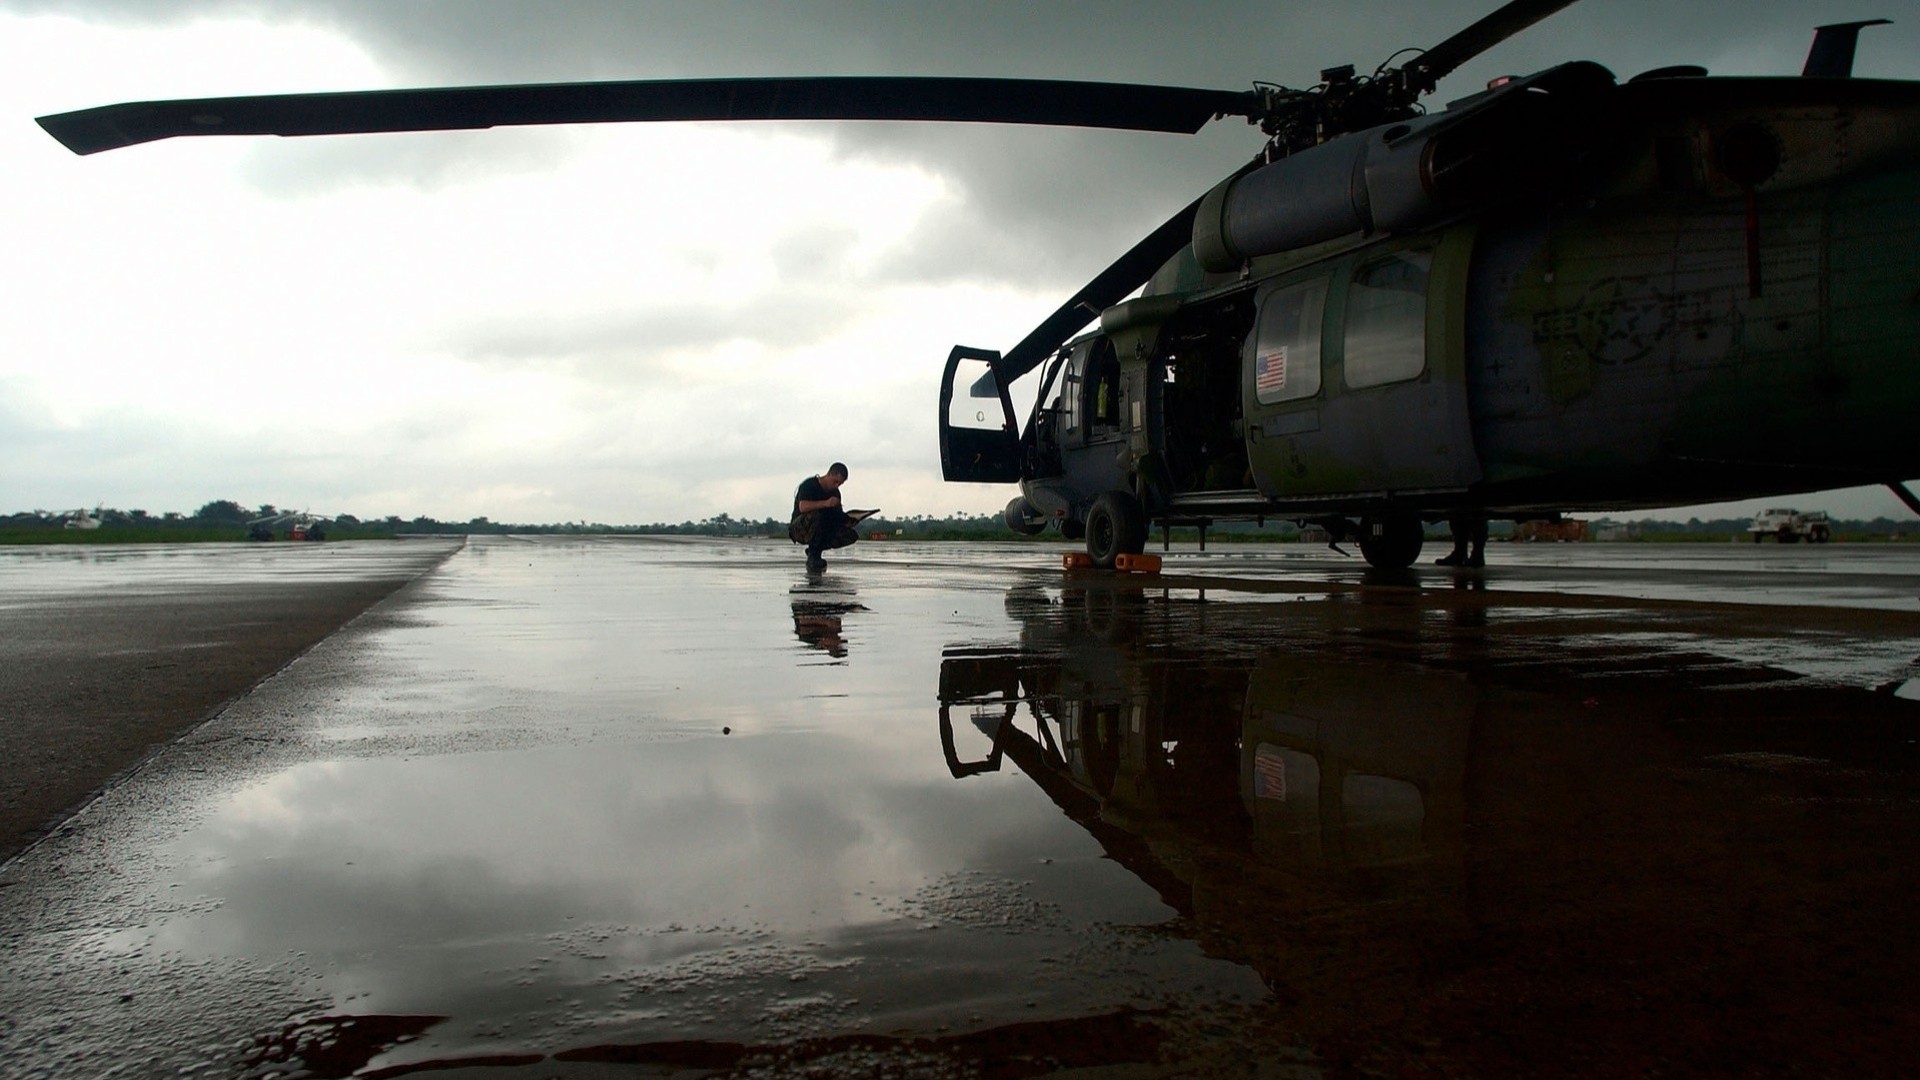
x: 835, y: 475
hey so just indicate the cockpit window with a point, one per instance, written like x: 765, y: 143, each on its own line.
x: 1069, y: 400
x: 1286, y: 357
x: 1387, y: 320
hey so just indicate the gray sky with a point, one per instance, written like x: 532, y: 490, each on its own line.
x: 625, y: 323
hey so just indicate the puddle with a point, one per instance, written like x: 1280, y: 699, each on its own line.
x: 786, y: 885
x: 677, y: 805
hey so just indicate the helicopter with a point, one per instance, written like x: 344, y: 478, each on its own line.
x: 300, y: 525
x: 1565, y: 292
x: 82, y: 518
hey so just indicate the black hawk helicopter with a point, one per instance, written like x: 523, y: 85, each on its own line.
x: 1564, y: 292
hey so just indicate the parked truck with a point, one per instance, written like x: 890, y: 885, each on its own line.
x: 1791, y: 526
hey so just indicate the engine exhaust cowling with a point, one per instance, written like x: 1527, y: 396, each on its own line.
x: 1508, y: 142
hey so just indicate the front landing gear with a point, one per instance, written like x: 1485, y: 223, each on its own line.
x: 1116, y: 526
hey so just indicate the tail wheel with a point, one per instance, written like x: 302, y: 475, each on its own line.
x: 1115, y: 526
x: 1391, y: 543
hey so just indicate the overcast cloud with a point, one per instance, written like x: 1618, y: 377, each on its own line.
x: 624, y: 323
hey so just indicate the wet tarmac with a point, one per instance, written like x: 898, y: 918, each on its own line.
x: 108, y: 652
x: 660, y: 807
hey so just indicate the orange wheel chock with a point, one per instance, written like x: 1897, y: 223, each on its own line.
x: 1076, y: 560
x: 1137, y: 564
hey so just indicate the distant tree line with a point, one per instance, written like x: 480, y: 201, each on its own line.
x: 1880, y: 529
x: 225, y: 519
x: 958, y: 525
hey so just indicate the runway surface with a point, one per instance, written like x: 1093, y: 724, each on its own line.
x: 639, y: 807
x: 107, y: 652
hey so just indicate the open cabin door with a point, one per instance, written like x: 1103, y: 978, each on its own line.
x: 979, y: 435
x: 1356, y: 378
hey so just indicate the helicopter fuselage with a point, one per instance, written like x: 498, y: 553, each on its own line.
x: 1714, y: 295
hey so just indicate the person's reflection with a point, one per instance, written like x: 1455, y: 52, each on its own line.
x: 818, y: 614
x: 822, y: 630
x: 1467, y: 617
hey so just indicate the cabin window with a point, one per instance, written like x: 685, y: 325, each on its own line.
x: 1286, y: 349
x: 1387, y: 320
x: 1385, y: 818
x: 1103, y: 377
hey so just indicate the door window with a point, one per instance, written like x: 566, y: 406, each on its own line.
x: 1286, y: 350
x: 977, y: 407
x: 1387, y: 320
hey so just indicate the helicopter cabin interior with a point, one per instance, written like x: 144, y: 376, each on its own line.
x: 1178, y: 411
x: 1194, y: 390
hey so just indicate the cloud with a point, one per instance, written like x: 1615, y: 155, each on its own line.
x: 429, y: 162
x: 626, y: 322
x: 1041, y: 207
x: 609, y: 346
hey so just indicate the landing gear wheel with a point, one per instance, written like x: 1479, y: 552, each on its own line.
x: 1071, y: 529
x: 1021, y: 519
x: 1115, y: 526
x: 1391, y: 543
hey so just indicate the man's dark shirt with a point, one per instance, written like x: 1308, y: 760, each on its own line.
x: 810, y: 490
x: 820, y: 529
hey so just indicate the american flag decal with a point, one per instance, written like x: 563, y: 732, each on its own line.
x: 1270, y: 372
x: 1269, y: 774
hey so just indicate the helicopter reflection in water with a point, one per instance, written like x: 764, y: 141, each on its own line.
x: 1295, y: 759
x: 1463, y: 831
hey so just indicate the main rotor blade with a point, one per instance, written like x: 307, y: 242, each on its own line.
x: 1004, y: 101
x: 1440, y: 61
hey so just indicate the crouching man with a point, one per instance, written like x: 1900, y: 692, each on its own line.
x: 819, y: 521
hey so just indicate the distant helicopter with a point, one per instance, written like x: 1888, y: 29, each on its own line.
x: 1563, y: 292
x: 82, y: 518
x: 300, y: 525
